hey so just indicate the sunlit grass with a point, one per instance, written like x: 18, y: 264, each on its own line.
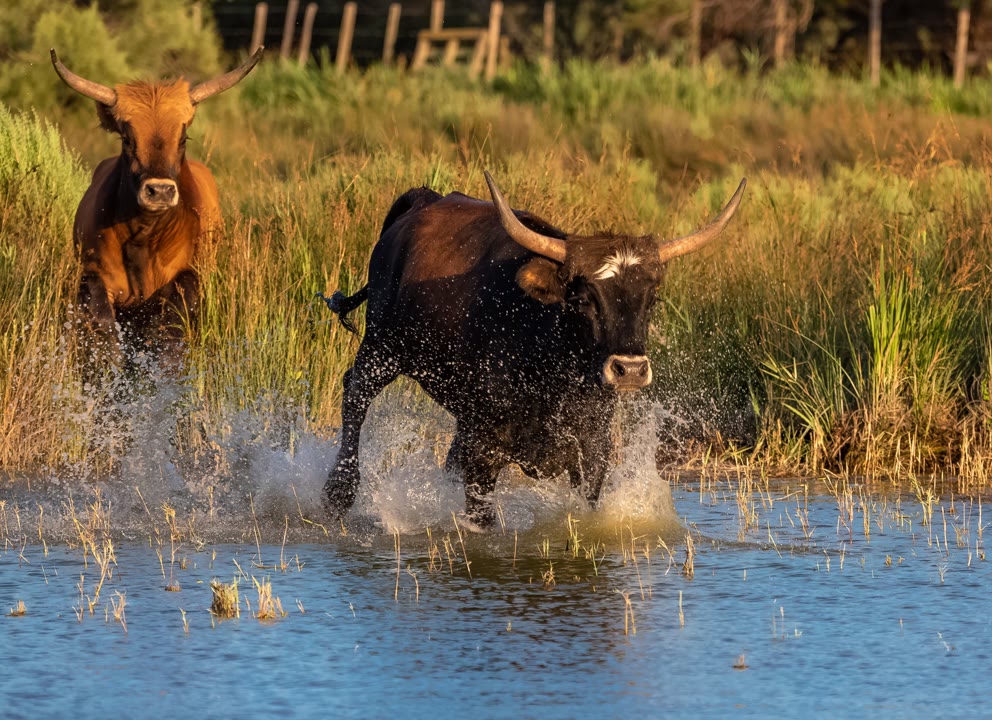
x: 836, y: 327
x: 226, y: 601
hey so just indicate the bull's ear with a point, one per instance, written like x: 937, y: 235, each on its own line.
x: 539, y: 278
x: 107, y: 120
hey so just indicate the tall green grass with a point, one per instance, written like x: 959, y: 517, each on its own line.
x: 40, y: 183
x: 840, y: 323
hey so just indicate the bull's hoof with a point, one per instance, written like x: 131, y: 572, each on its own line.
x: 338, y: 500
x: 466, y: 523
x: 340, y: 491
x: 480, y: 513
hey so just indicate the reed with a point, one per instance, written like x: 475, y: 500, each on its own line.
x: 689, y: 565
x: 226, y: 601
x: 838, y: 326
x: 268, y: 606
x: 118, y: 602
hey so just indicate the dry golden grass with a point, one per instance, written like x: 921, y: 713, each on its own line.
x: 268, y: 607
x: 838, y: 326
x: 226, y: 601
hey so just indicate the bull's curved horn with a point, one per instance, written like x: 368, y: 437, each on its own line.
x: 226, y: 81
x: 687, y: 244
x: 549, y: 247
x: 96, y: 91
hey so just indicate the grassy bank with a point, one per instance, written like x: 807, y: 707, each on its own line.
x: 840, y: 324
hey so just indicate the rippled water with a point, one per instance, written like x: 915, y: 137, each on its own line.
x: 809, y: 611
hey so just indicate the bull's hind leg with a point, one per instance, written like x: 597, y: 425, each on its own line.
x: 373, y: 370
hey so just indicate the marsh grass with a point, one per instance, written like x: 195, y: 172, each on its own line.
x: 226, y: 601
x: 838, y: 326
x: 267, y: 606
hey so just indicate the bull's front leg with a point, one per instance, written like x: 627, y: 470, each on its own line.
x: 592, y: 460
x: 177, y: 305
x: 98, y: 324
x: 594, y: 467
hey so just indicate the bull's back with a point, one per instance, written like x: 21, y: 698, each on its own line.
x: 433, y: 262
x: 443, y: 297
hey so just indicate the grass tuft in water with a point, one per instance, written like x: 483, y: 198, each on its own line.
x: 226, y: 600
x: 268, y: 607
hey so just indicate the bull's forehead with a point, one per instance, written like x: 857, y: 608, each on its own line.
x: 616, y: 258
x: 156, y: 114
x: 613, y: 265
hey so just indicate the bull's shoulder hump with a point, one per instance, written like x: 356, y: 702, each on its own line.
x: 457, y: 198
x: 202, y: 176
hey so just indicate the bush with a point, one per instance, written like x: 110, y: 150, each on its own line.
x: 147, y: 39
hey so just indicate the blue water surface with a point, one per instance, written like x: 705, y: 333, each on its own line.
x: 774, y: 624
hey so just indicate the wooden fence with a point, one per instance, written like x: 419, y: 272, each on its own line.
x: 483, y: 48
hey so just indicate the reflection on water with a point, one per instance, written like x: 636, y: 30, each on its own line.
x: 836, y: 625
x: 818, y: 606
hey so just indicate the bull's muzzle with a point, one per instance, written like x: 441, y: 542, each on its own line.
x: 157, y: 194
x: 626, y: 372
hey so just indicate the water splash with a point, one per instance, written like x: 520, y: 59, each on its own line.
x: 267, y: 468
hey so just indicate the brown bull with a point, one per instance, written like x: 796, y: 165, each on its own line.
x: 526, y: 334
x: 144, y: 215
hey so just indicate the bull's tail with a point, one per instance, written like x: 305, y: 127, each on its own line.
x: 341, y: 304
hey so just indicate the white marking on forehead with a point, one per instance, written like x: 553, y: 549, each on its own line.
x: 622, y: 258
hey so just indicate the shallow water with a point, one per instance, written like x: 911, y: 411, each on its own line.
x: 818, y: 606
x: 824, y: 626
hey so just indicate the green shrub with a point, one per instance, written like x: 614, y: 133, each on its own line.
x: 110, y: 44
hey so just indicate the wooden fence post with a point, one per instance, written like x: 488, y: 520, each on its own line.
x: 258, y: 31
x: 781, y: 27
x: 437, y: 15
x: 875, y: 43
x: 307, y: 34
x: 961, y: 47
x: 696, y: 32
x: 345, y: 37
x: 288, y: 28
x: 548, y: 51
x: 450, y: 53
x: 392, y: 31
x: 495, y: 21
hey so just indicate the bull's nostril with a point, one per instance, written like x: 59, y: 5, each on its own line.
x: 618, y: 369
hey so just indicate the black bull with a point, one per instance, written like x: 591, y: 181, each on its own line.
x: 525, y: 334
